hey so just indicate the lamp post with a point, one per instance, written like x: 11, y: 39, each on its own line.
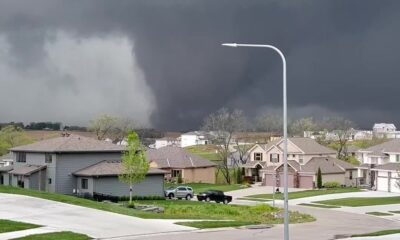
x: 285, y: 166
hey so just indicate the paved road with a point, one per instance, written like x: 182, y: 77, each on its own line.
x: 66, y: 217
x: 329, y: 223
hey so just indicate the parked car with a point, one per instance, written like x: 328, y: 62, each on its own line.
x: 214, y: 195
x: 179, y: 192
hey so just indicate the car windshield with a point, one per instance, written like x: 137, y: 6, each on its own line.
x: 171, y: 188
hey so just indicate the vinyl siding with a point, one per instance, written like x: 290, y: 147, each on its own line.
x: 69, y: 163
x: 153, y: 185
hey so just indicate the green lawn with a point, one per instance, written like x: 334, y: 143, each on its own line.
x: 379, y: 213
x: 179, y: 209
x: 379, y: 233
x: 55, y: 235
x: 306, y: 193
x: 11, y: 226
x: 359, y: 202
x: 215, y: 224
x: 318, y: 205
x: 202, y: 187
x: 205, y: 151
x: 260, y: 214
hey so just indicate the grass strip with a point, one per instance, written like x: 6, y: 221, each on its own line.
x: 56, y: 235
x: 361, y: 201
x: 307, y: 193
x: 318, y: 205
x: 215, y: 224
x: 379, y: 214
x: 11, y: 226
x: 378, y: 233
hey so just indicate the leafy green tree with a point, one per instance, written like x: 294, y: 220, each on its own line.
x: 134, y: 163
x: 319, y: 178
x: 12, y: 136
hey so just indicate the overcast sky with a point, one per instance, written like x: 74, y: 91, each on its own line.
x: 161, y: 63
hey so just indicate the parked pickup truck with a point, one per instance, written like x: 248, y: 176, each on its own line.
x: 179, y: 192
x: 214, y: 195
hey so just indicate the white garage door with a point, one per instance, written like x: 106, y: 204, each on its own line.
x: 382, y: 184
x: 394, y: 185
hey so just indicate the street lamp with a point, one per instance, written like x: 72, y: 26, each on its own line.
x: 285, y: 166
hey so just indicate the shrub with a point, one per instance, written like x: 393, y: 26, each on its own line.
x: 140, y: 198
x: 239, y: 176
x: 180, y: 178
x: 131, y: 205
x: 332, y: 185
x: 319, y: 178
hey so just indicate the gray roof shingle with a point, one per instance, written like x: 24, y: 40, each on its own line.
x: 307, y: 145
x: 109, y: 168
x: 71, y: 143
x: 390, y: 146
x: 388, y: 166
x: 327, y: 165
x: 176, y: 157
x: 27, y: 169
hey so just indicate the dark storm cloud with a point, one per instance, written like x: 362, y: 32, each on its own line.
x: 342, y: 55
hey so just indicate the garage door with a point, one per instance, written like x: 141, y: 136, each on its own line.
x: 306, y: 182
x: 268, y: 180
x: 290, y: 180
x: 394, y: 185
x: 382, y: 184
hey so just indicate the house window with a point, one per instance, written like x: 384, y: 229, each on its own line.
x: 84, y: 183
x: 274, y: 157
x: 294, y: 155
x: 48, y: 158
x: 49, y: 180
x: 351, y: 175
x: 175, y: 173
x: 21, y: 157
x: 301, y: 159
x: 258, y: 156
x: 397, y: 157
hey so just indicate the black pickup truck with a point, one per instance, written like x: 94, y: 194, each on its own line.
x: 214, y: 195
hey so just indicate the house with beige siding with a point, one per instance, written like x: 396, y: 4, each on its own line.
x: 178, y: 161
x: 305, y: 156
x: 54, y: 165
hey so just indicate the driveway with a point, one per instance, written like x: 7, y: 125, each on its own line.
x: 257, y: 189
x: 66, y: 217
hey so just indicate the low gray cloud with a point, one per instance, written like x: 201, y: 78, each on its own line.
x: 161, y: 61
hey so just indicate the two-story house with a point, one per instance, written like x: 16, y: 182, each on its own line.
x: 62, y: 165
x: 379, y: 165
x: 305, y: 156
x: 385, y: 130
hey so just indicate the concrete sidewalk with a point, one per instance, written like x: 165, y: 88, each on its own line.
x: 23, y: 233
x: 92, y: 222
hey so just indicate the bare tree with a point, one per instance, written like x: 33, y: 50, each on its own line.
x: 114, y: 128
x: 223, y: 124
x: 342, y: 128
x: 298, y: 127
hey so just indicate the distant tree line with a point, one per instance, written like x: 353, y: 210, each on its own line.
x: 54, y: 126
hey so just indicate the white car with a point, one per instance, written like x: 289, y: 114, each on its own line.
x: 179, y: 192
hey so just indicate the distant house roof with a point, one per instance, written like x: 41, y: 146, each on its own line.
x: 390, y: 146
x: 176, y: 157
x: 352, y: 149
x: 253, y: 164
x: 71, y: 143
x: 384, y: 125
x: 6, y: 168
x: 27, y: 170
x: 307, y: 145
x: 109, y: 168
x: 6, y: 157
x: 388, y: 166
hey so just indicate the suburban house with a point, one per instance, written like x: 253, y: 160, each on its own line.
x: 305, y: 175
x: 177, y: 161
x: 387, y: 177
x: 195, y: 138
x: 68, y: 165
x: 385, y: 130
x: 305, y: 156
x: 167, y: 141
x: 377, y: 161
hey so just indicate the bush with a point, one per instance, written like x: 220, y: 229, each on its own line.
x: 131, y: 205
x: 141, y: 198
x: 180, y: 178
x: 319, y: 178
x: 332, y: 185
